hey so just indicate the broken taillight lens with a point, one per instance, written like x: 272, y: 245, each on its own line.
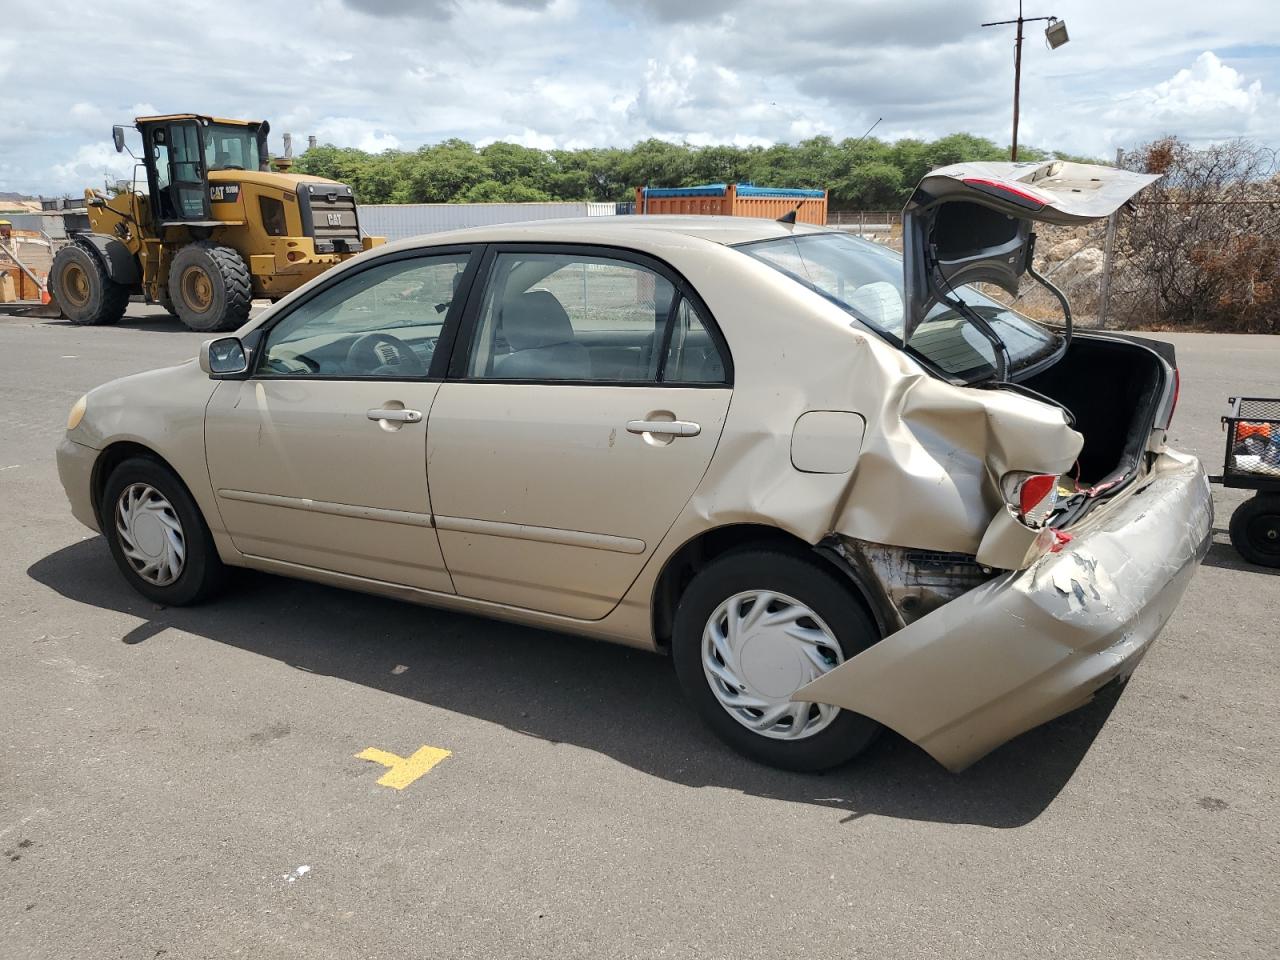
x: 1033, y: 495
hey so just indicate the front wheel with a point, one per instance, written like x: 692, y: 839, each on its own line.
x: 210, y: 287
x: 752, y: 628
x: 1255, y: 529
x: 157, y: 536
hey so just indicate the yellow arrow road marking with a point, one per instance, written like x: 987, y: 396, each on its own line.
x: 402, y: 771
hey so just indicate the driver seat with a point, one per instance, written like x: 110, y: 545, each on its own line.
x: 542, y: 342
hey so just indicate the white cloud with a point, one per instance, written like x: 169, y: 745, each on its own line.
x: 1208, y: 100
x: 399, y: 73
x: 86, y: 115
x: 352, y: 132
x: 525, y: 138
x: 91, y: 164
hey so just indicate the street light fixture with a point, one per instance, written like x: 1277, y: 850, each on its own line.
x: 1056, y: 35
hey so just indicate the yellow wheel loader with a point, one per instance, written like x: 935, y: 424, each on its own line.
x: 213, y: 228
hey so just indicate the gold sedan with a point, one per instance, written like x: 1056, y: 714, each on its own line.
x: 840, y: 489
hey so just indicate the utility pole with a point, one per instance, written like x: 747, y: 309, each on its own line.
x: 1017, y: 84
x: 1055, y: 33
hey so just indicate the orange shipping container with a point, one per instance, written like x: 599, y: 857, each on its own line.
x: 735, y: 200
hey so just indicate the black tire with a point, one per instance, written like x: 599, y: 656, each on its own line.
x: 222, y: 305
x: 202, y: 573
x: 164, y: 300
x: 79, y: 283
x: 1255, y: 529
x: 811, y: 582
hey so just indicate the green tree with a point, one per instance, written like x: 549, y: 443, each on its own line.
x: 441, y: 173
x: 494, y: 191
x: 866, y: 174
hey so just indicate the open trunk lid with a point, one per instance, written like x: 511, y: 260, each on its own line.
x: 972, y: 222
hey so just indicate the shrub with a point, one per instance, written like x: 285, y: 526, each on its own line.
x: 1203, y: 248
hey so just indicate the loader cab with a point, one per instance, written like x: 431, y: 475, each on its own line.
x: 180, y: 152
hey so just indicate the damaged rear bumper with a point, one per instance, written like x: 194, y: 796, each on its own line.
x: 1033, y: 644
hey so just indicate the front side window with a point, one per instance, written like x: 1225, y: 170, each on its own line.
x: 382, y: 322
x: 551, y: 316
x: 866, y: 280
x: 185, y: 165
x: 160, y: 151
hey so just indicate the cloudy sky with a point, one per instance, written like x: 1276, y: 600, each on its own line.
x: 399, y: 73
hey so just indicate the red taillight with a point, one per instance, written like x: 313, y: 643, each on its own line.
x: 1032, y: 496
x: 1034, y: 491
x: 1177, y: 390
x: 1023, y: 198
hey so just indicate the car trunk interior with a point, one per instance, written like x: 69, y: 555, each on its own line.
x: 1113, y: 389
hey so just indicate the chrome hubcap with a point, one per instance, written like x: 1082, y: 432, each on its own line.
x: 150, y: 534
x: 758, y: 648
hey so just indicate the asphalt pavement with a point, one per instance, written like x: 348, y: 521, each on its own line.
x: 185, y: 782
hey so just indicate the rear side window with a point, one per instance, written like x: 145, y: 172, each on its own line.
x: 866, y: 281
x: 692, y: 354
x: 577, y: 317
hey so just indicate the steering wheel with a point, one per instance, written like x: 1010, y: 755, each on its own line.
x: 381, y: 354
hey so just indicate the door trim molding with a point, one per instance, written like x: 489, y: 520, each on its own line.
x: 523, y: 531
x: 406, y: 517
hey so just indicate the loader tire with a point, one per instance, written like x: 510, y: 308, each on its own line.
x: 210, y: 287
x: 80, y: 285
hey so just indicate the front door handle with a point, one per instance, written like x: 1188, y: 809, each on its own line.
x: 398, y: 414
x: 665, y: 428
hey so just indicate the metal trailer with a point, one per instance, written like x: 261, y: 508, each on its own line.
x: 735, y: 200
x: 1251, y: 461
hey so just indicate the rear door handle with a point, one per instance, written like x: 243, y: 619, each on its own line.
x: 665, y: 428
x: 394, y: 413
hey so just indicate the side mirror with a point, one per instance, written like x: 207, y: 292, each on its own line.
x: 117, y: 135
x: 223, y: 357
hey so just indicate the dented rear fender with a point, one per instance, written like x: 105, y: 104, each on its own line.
x: 1030, y: 645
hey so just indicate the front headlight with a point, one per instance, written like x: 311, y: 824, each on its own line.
x: 77, y: 413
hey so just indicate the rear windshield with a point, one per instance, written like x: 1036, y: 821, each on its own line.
x: 866, y: 280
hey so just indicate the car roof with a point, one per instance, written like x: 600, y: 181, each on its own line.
x: 648, y: 229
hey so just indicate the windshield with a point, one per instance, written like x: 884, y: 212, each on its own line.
x: 228, y: 147
x: 866, y: 280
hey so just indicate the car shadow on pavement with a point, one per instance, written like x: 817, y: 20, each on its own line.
x: 620, y: 702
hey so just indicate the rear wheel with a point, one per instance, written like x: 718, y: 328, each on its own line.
x: 752, y: 628
x: 80, y: 285
x: 210, y: 287
x: 157, y: 536
x: 1255, y: 529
